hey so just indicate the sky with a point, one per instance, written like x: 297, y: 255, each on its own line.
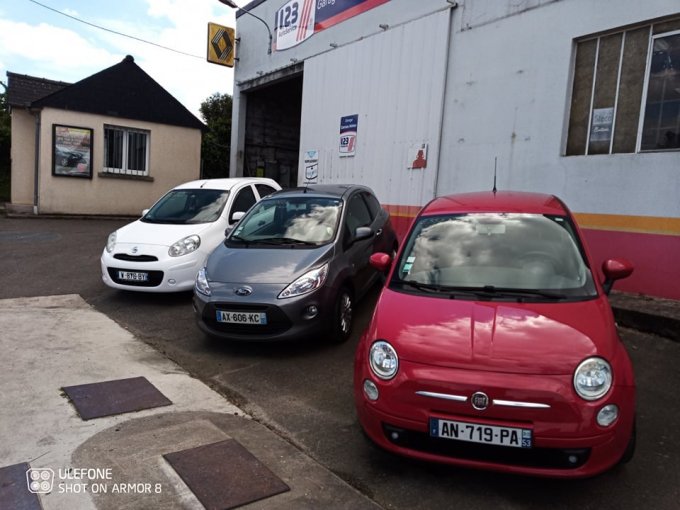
x: 39, y: 42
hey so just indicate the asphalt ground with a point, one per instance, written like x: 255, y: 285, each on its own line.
x: 303, y: 391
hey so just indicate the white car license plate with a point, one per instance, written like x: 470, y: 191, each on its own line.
x: 479, y: 433
x: 133, y: 276
x: 256, y: 318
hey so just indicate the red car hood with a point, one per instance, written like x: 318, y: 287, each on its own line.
x: 529, y: 338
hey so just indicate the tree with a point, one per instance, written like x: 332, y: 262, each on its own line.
x: 5, y: 135
x: 216, y: 113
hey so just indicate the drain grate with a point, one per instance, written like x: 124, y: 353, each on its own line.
x: 115, y: 397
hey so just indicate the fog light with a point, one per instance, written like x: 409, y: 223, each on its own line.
x: 371, y: 390
x: 573, y: 459
x: 172, y: 281
x: 310, y: 312
x: 607, y: 415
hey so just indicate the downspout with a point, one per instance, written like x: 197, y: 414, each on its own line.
x: 454, y: 6
x: 36, y: 176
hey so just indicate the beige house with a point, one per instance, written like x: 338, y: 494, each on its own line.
x: 110, y: 144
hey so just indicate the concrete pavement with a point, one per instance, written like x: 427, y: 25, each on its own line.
x: 48, y: 343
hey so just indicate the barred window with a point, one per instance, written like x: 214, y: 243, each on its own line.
x: 626, y: 91
x: 126, y: 151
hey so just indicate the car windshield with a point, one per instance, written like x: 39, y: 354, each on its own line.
x: 504, y: 255
x: 291, y: 220
x: 188, y: 206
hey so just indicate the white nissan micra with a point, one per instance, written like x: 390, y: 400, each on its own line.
x: 164, y: 249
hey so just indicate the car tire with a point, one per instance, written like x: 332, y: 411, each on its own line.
x: 630, y: 449
x: 343, y: 312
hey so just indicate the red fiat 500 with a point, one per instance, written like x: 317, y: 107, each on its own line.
x: 493, y: 344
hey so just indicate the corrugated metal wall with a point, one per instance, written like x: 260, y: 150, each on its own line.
x: 394, y: 81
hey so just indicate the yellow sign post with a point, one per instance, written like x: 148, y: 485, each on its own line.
x: 221, y: 47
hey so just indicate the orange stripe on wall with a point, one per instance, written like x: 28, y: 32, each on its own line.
x: 614, y: 222
x: 403, y: 211
x: 620, y: 223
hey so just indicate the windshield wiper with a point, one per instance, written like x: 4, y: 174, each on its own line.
x: 523, y: 292
x: 283, y: 240
x: 484, y: 292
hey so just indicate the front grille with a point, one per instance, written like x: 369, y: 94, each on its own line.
x: 277, y: 321
x: 155, y: 277
x: 548, y: 458
x: 135, y: 258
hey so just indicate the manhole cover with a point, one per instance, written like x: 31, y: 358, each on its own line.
x: 225, y: 475
x: 20, y: 485
x: 115, y: 397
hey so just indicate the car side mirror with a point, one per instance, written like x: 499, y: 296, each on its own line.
x: 236, y: 216
x: 362, y: 233
x: 615, y: 269
x: 380, y: 261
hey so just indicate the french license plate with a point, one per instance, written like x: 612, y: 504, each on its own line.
x: 133, y: 276
x: 257, y: 318
x: 479, y: 433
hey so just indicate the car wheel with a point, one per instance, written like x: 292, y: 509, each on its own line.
x: 630, y: 449
x: 342, y: 316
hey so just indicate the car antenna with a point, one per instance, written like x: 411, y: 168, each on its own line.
x: 495, y: 164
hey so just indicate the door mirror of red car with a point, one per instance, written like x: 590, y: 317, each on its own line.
x: 381, y: 261
x: 615, y: 269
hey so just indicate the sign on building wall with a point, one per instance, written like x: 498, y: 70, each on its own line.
x: 417, y: 156
x: 311, y: 166
x: 348, y: 134
x: 220, y: 45
x: 297, y: 20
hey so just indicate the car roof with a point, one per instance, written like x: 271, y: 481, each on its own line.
x: 500, y: 201
x: 226, y: 183
x: 321, y: 190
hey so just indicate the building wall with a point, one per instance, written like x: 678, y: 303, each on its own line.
x: 174, y: 157
x: 508, y: 70
x: 22, y: 159
x: 511, y: 101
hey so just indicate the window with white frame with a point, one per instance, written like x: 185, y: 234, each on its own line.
x: 626, y: 91
x: 126, y: 151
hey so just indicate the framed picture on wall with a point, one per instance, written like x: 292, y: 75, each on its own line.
x: 71, y: 151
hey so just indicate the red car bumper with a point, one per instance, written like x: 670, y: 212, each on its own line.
x: 567, y: 442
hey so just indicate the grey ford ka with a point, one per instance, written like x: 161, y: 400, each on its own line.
x: 294, y: 266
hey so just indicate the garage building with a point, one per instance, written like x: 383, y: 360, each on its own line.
x: 421, y: 99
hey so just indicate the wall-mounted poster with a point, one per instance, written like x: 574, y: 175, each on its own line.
x: 348, y: 134
x: 71, y: 151
x: 297, y: 20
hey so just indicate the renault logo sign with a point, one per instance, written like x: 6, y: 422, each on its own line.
x: 220, y: 45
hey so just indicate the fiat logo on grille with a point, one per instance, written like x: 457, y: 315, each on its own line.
x: 243, y: 291
x: 480, y: 401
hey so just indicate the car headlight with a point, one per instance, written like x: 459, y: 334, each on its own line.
x: 308, y: 282
x: 593, y: 378
x: 185, y: 246
x: 202, y: 284
x: 111, y: 242
x: 383, y: 360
